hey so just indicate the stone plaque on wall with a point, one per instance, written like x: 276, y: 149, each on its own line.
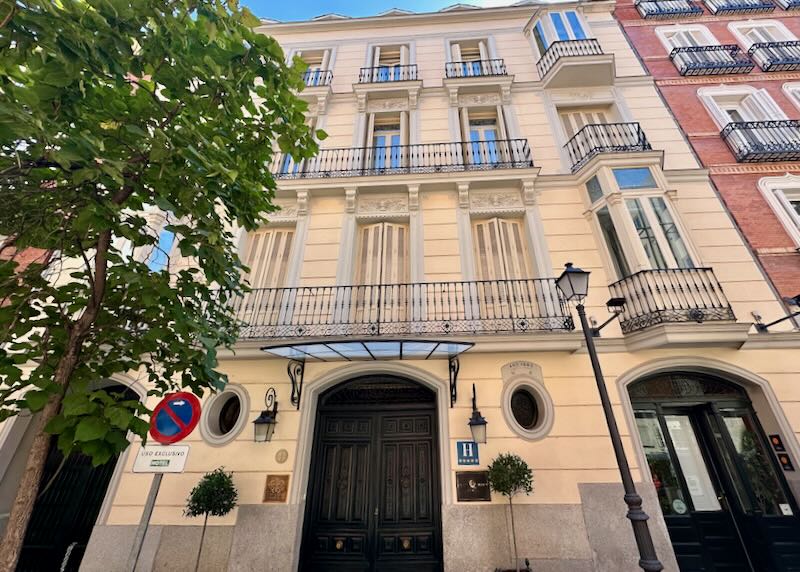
x: 276, y: 488
x: 473, y: 486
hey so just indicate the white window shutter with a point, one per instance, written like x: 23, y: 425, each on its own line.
x: 268, y: 257
x: 770, y: 110
x: 715, y: 110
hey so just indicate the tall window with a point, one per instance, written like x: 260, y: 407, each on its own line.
x: 500, y: 251
x: 760, y: 31
x: 386, y: 137
x: 387, y: 62
x: 483, y: 127
x: 783, y: 195
x: 576, y: 118
x: 267, y: 257
x: 470, y: 53
x: 557, y: 26
x: 657, y: 242
x: 319, y: 63
x: 740, y: 103
x: 159, y: 256
x: 685, y: 36
x: 383, y: 256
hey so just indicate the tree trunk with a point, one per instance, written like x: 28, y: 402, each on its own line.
x: 28, y: 490
x: 200, y: 550
x: 513, y: 534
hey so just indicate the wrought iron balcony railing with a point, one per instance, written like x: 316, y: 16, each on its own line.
x: 764, y: 141
x: 565, y: 49
x: 710, y: 60
x: 776, y: 56
x: 789, y: 4
x: 475, y: 68
x: 605, y: 138
x: 667, y: 8
x: 668, y: 296
x: 381, y: 74
x: 478, y: 307
x: 407, y: 159
x: 317, y: 78
x: 722, y: 7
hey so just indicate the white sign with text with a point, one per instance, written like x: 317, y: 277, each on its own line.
x: 161, y: 459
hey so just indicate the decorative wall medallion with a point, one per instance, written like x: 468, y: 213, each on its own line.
x: 282, y: 456
x: 387, y: 104
x: 377, y: 205
x: 276, y: 488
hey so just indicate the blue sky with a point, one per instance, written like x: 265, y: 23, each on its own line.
x: 304, y: 9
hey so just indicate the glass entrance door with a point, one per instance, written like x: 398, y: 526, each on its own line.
x: 725, y: 504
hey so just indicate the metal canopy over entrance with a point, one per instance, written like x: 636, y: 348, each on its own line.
x: 366, y: 350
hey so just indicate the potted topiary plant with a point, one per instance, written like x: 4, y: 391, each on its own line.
x: 509, y: 475
x: 214, y: 495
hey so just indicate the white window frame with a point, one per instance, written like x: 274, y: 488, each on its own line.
x: 709, y: 96
x: 663, y: 33
x: 774, y: 190
x: 792, y: 91
x: 632, y: 249
x: 737, y: 27
x: 550, y: 33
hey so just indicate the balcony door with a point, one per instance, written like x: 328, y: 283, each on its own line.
x: 505, y: 288
x: 722, y: 494
x: 382, y: 291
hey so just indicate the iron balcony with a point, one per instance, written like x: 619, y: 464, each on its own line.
x: 667, y: 8
x: 710, y: 60
x: 723, y: 7
x: 407, y: 159
x: 475, y: 68
x: 382, y: 74
x: 789, y: 4
x: 474, y: 307
x: 764, y: 141
x: 776, y: 56
x: 567, y: 48
x: 605, y: 138
x: 317, y: 78
x: 671, y: 296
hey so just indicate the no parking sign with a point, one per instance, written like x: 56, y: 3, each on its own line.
x: 175, y: 417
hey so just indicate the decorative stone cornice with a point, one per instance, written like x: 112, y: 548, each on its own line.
x: 495, y: 202
x: 382, y: 206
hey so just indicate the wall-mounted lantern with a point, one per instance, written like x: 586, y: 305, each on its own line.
x: 264, y: 425
x: 477, y: 423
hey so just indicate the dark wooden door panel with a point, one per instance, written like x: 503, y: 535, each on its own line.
x: 374, y: 503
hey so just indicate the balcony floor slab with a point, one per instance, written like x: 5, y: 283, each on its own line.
x: 683, y: 335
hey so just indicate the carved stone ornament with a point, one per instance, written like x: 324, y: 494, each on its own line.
x: 476, y: 99
x: 377, y: 205
x: 288, y: 209
x: 388, y: 104
x: 350, y: 200
x: 495, y: 200
x: 322, y: 103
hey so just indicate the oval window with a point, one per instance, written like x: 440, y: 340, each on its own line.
x: 525, y: 408
x: 229, y: 414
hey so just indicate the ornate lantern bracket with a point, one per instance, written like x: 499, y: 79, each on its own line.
x: 453, y: 367
x: 295, y: 371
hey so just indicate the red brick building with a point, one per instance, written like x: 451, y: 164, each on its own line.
x: 730, y: 72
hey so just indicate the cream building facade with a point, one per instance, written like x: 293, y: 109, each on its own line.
x: 470, y: 154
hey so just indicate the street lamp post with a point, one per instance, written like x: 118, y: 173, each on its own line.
x: 574, y: 284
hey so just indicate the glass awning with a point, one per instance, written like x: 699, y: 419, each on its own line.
x: 371, y: 349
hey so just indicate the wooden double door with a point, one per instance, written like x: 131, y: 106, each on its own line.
x: 725, y: 502
x: 373, y: 501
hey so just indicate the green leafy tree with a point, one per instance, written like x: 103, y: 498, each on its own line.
x: 110, y: 109
x: 214, y: 495
x: 509, y: 475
